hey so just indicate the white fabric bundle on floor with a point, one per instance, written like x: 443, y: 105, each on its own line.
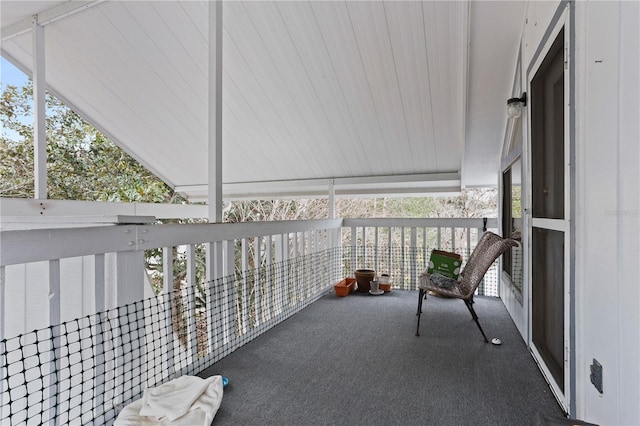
x: 187, y: 400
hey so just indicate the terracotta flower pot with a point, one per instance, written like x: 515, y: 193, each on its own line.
x: 363, y: 276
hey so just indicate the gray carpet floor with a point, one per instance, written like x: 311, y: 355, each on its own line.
x: 356, y: 361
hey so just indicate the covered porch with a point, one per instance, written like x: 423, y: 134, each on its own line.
x: 111, y: 337
x: 264, y: 100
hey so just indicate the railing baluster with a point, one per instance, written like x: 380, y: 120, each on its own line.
x: 269, y: 295
x: 424, y: 246
x: 246, y: 296
x: 228, y: 292
x: 98, y: 333
x: 167, y: 286
x: 413, y: 254
x: 51, y: 368
x: 2, y: 319
x: 191, y: 302
x: 390, y: 265
x: 403, y: 256
x: 376, y: 243
x: 354, y: 242
x: 257, y: 283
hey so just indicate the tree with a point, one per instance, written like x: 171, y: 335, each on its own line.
x: 82, y: 163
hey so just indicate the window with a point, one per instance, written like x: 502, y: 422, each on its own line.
x: 512, y: 221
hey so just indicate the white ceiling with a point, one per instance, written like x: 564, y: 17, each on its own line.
x: 382, y: 97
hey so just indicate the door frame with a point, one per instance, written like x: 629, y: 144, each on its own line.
x: 565, y: 225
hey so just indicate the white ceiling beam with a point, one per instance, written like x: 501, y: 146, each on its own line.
x: 370, y: 186
x: 47, y: 17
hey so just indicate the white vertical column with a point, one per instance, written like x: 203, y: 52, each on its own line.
x: 214, y: 162
x: 244, y: 260
x: 333, y: 234
x: 414, y: 254
x: 2, y: 309
x: 257, y: 284
x: 99, y: 327
x: 332, y: 199
x: 192, y: 334
x: 167, y: 290
x: 39, y: 112
x: 215, y: 112
x: 51, y: 368
x: 2, y: 360
x: 214, y: 276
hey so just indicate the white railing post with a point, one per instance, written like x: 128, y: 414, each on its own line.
x: 244, y: 313
x: 269, y: 282
x: 51, y: 368
x: 98, y: 327
x: 403, y: 257
x: 2, y: 349
x: 389, y: 243
x: 167, y: 288
x: 376, y: 243
x: 257, y: 283
x: 354, y: 241
x: 228, y: 293
x: 192, y: 324
x: 214, y: 276
x: 413, y: 262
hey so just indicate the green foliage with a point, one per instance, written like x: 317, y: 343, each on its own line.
x: 82, y: 163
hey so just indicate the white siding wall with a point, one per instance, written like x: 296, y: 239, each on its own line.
x: 608, y: 215
x: 607, y: 192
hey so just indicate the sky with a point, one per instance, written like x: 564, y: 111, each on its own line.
x: 11, y: 75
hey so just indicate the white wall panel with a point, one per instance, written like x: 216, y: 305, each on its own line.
x: 607, y: 285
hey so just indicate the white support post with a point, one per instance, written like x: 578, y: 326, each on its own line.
x: 39, y: 112
x: 354, y: 240
x: 2, y: 360
x: 414, y: 254
x: 2, y: 312
x: 333, y: 235
x: 332, y: 199
x: 215, y: 112
x: 270, y: 281
x: 192, y: 334
x: 294, y: 279
x: 376, y: 243
x: 128, y: 286
x: 228, y: 293
x: 364, y: 246
x: 51, y: 368
x: 214, y: 174
x: 453, y: 239
x: 389, y: 240
x: 99, y: 325
x: 424, y: 247
x: 257, y: 283
x: 403, y: 256
x: 214, y: 274
x: 244, y: 316
x: 167, y: 289
x: 279, y: 281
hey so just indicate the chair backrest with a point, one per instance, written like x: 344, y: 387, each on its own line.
x: 489, y: 248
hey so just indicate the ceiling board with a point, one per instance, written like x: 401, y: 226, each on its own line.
x: 311, y: 90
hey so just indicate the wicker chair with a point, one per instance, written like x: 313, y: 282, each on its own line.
x: 489, y: 248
